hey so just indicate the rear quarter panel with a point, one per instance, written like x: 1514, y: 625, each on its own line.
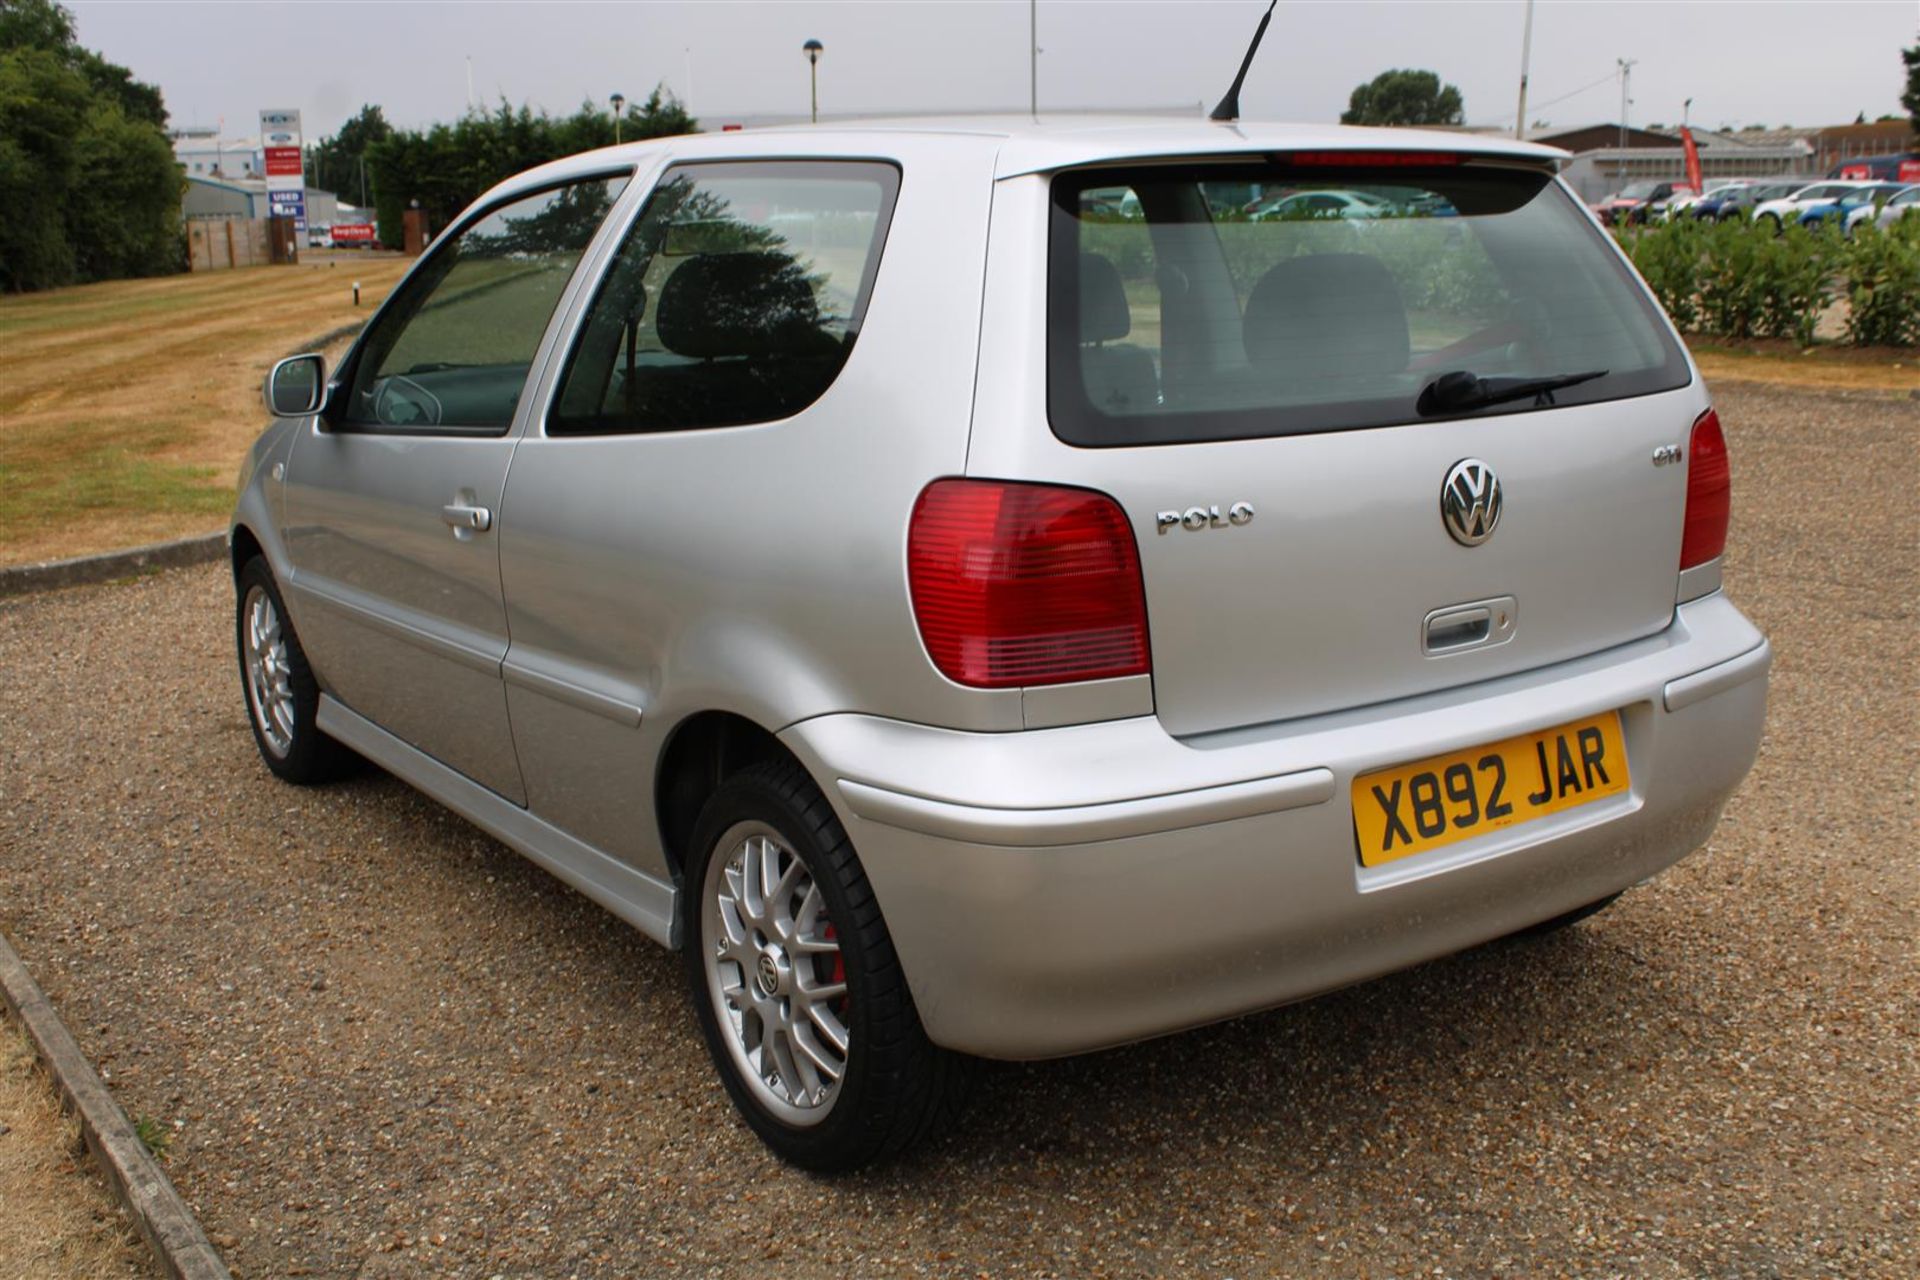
x: 757, y: 569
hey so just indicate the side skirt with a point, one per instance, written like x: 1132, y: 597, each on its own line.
x: 647, y: 904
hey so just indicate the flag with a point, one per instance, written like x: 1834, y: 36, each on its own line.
x: 1693, y: 158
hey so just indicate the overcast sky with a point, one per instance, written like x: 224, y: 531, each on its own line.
x: 1804, y: 62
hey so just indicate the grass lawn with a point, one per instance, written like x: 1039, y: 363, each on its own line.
x: 125, y: 407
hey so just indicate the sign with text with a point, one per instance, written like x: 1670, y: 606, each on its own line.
x: 353, y: 233
x: 288, y: 204
x: 283, y: 145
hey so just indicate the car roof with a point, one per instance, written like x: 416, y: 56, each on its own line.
x: 1023, y: 145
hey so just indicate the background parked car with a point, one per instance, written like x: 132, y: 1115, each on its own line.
x: 1738, y: 200
x: 1684, y: 198
x: 1899, y: 205
x: 1850, y: 210
x: 1788, y: 208
x: 1630, y: 202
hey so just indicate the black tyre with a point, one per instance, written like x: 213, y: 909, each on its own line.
x: 1572, y: 917
x: 799, y: 992
x: 282, y: 696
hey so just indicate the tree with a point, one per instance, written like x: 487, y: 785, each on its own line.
x: 35, y: 24
x: 1911, y: 98
x: 446, y: 167
x: 1404, y: 97
x: 88, y: 181
x: 42, y: 106
x: 128, y: 223
x: 334, y: 163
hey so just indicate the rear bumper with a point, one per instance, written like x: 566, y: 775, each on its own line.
x: 1060, y: 890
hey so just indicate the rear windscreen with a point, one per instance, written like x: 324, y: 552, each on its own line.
x: 1228, y: 301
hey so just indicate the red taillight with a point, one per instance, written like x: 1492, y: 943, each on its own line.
x: 1025, y: 584
x: 1709, y: 493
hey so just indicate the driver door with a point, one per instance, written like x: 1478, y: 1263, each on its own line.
x: 391, y: 497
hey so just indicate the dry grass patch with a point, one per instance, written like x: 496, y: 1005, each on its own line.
x: 56, y: 1220
x: 125, y: 407
x: 1784, y: 363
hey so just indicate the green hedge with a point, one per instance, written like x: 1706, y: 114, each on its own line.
x: 1740, y: 279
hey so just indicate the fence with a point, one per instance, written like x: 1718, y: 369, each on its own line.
x: 215, y: 244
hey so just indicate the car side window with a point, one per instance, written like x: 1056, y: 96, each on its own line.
x: 736, y: 297
x: 453, y: 351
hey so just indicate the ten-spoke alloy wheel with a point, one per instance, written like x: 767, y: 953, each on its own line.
x: 801, y: 998
x: 263, y: 656
x: 282, y: 695
x: 775, y: 970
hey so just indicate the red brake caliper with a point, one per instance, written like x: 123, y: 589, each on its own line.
x: 839, y: 967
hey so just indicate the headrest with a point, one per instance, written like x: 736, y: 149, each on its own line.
x: 739, y: 304
x: 1327, y: 315
x: 1103, y: 302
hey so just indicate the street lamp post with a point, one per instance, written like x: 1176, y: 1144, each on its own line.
x: 813, y: 49
x: 1526, y: 55
x: 619, y: 101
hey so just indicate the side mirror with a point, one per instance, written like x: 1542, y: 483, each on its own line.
x: 296, y: 386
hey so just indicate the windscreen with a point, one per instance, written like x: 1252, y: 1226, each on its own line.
x: 1227, y: 301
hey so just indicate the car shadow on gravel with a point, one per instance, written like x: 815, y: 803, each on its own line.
x: 1514, y: 1026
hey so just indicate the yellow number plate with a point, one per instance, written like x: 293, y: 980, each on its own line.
x: 1415, y: 807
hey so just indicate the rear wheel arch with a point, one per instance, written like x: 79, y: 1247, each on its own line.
x: 701, y: 752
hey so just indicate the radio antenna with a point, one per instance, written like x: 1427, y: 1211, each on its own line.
x: 1229, y: 108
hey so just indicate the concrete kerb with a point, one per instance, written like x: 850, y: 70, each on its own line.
x: 135, y: 1177
x: 21, y: 579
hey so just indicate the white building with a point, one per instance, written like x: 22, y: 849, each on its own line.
x: 204, y: 153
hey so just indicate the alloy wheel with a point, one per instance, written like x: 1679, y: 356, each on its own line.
x: 269, y: 676
x: 775, y: 974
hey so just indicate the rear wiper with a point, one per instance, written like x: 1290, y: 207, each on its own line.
x: 1461, y: 390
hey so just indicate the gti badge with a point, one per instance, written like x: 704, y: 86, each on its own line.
x: 1204, y: 517
x: 1470, y: 502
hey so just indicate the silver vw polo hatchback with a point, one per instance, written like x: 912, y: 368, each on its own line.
x: 994, y: 589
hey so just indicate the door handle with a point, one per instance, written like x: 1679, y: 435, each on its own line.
x: 462, y: 516
x: 1478, y: 624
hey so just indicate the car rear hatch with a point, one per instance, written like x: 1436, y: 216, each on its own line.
x: 1322, y: 523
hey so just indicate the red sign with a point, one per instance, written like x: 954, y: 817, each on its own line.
x: 1910, y: 171
x: 1856, y: 172
x: 283, y: 161
x: 353, y: 233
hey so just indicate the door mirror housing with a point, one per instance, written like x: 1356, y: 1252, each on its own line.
x: 297, y: 386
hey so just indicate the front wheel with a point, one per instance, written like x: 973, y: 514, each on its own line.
x: 282, y: 696
x: 799, y: 993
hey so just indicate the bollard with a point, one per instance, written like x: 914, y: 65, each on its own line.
x: 356, y: 293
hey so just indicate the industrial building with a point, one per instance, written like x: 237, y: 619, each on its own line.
x: 247, y: 198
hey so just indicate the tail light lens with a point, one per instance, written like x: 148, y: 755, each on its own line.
x: 1025, y: 584
x: 1709, y: 493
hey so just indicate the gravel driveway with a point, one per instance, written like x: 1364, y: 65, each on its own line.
x: 394, y: 1049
